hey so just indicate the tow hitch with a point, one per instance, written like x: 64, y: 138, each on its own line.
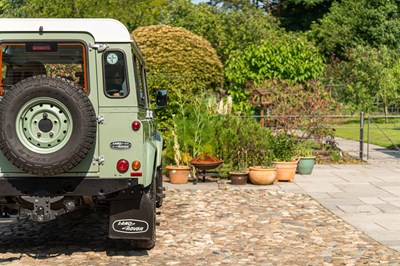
x: 42, y: 211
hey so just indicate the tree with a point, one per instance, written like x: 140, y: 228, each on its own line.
x: 358, y: 22
x: 133, y: 14
x: 180, y: 61
x: 226, y: 30
x: 372, y: 76
x: 299, y: 15
x: 288, y: 58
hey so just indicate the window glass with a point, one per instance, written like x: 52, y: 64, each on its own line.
x: 115, y: 74
x: 22, y: 60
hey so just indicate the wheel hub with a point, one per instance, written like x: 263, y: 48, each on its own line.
x: 44, y: 124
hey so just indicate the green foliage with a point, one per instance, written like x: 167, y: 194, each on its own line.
x: 305, y: 148
x: 299, y: 15
x: 195, y: 127
x: 283, y: 147
x: 289, y: 58
x: 244, y: 142
x: 132, y: 13
x: 358, y: 22
x: 226, y: 30
x: 372, y: 76
x: 240, y: 141
x: 178, y: 59
x: 183, y: 63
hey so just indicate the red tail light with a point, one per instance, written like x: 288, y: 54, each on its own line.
x: 136, y: 125
x: 122, y: 165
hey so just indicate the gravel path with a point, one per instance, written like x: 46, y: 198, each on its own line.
x: 208, y: 227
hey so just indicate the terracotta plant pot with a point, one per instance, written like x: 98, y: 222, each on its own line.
x: 178, y: 174
x: 305, y: 165
x: 238, y: 178
x: 286, y: 171
x: 262, y: 176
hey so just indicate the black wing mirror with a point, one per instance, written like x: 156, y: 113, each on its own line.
x: 161, y: 98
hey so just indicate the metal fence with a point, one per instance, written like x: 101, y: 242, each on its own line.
x: 371, y: 138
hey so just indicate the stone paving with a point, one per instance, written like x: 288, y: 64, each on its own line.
x: 224, y: 226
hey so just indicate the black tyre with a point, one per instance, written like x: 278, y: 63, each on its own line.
x: 47, y: 125
x: 160, y: 188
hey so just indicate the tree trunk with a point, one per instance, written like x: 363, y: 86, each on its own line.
x: 386, y: 112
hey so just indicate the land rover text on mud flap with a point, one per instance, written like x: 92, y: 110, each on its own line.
x: 76, y: 130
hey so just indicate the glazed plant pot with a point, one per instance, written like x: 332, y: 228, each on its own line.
x: 178, y: 174
x: 305, y: 165
x: 262, y: 176
x: 238, y: 178
x: 286, y: 171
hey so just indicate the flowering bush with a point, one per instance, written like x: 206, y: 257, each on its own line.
x: 300, y: 108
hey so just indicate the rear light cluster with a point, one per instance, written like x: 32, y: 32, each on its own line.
x: 123, y: 166
x: 136, y: 125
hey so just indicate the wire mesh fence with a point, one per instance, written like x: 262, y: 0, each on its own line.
x: 372, y: 138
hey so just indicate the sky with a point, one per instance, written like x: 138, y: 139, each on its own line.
x: 198, y: 1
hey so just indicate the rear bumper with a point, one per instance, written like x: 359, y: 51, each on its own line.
x: 65, y: 186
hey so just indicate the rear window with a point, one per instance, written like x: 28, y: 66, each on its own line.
x: 22, y: 60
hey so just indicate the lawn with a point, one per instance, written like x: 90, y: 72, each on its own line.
x: 380, y: 133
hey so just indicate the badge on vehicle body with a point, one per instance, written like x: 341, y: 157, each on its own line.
x: 130, y: 226
x: 120, y: 145
x: 112, y: 58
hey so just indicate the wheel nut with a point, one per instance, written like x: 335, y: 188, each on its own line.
x: 51, y: 134
x: 39, y: 134
x: 44, y: 115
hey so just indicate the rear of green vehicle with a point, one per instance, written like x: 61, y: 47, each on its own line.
x: 76, y: 130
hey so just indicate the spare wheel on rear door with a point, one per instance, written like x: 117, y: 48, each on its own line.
x: 47, y: 125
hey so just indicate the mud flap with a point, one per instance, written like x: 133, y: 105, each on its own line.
x: 131, y: 215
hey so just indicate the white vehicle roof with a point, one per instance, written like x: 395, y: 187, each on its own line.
x: 102, y: 30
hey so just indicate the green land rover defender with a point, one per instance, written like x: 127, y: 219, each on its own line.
x: 76, y: 129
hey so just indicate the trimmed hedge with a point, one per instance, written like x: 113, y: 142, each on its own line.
x: 178, y: 59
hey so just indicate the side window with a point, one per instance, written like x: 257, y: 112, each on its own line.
x: 139, y: 75
x: 115, y: 78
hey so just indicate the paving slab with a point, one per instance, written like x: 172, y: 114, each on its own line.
x: 372, y: 200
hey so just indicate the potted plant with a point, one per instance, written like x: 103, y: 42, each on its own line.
x: 239, y: 175
x: 263, y: 175
x: 237, y: 136
x: 262, y: 171
x: 240, y: 172
x: 178, y: 173
x: 306, y: 158
x: 283, y: 147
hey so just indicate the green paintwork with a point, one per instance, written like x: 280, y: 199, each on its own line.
x: 117, y: 113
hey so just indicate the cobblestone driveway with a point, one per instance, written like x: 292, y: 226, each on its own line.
x: 214, y: 227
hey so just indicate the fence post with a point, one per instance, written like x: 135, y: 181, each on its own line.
x: 361, y: 136
x: 369, y: 123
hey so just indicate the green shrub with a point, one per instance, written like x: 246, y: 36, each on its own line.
x: 179, y: 61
